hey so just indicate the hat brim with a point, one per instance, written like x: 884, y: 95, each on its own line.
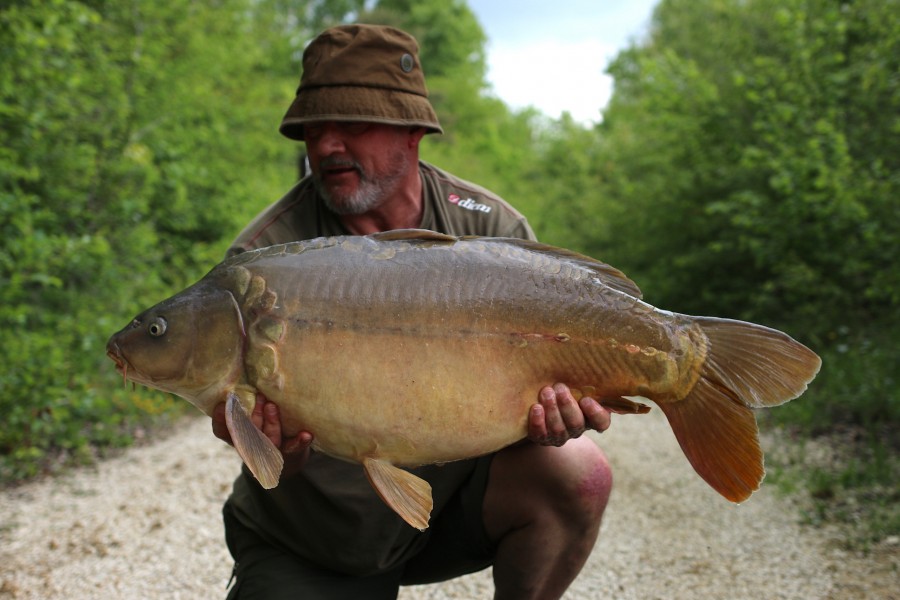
x: 356, y: 103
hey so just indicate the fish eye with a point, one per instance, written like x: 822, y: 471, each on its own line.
x: 157, y: 327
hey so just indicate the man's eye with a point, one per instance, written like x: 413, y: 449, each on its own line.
x: 312, y: 131
x: 355, y: 127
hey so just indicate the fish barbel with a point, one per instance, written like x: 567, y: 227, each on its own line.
x: 411, y: 347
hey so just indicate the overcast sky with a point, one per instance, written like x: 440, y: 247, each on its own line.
x: 552, y: 54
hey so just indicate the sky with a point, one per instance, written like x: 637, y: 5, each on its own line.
x: 552, y: 54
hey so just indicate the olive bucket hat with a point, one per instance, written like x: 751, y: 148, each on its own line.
x: 368, y: 73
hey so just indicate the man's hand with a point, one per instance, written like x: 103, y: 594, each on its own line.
x: 557, y: 417
x: 267, y: 418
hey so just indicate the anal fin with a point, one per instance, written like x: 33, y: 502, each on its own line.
x: 256, y: 450
x: 409, y: 496
x: 624, y: 406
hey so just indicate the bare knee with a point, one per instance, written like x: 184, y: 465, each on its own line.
x: 585, y: 483
x: 543, y: 507
x: 570, y: 485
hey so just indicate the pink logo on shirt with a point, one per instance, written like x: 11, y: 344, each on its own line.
x: 468, y: 204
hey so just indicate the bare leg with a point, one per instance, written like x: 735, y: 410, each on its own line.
x: 543, y: 507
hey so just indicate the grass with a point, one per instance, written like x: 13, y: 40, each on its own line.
x: 843, y: 439
x: 847, y: 477
x: 77, y: 431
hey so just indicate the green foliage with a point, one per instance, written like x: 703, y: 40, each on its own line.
x: 747, y: 144
x: 852, y: 409
x: 846, y: 472
x: 451, y: 41
x: 858, y: 384
x: 748, y: 166
x: 132, y: 138
x: 137, y: 139
x: 483, y: 140
x: 846, y: 477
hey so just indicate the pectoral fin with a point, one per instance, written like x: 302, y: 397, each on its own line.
x: 409, y: 496
x: 257, y: 451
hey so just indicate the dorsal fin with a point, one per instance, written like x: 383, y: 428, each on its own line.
x: 413, y: 235
x: 608, y: 275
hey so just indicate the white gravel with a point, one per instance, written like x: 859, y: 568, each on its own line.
x: 147, y: 524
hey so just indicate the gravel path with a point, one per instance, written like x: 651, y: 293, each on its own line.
x: 147, y: 525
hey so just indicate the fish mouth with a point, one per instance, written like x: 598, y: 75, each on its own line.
x: 128, y: 371
x: 115, y: 353
x: 121, y: 363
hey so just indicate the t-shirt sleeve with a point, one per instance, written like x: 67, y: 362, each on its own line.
x: 459, y: 207
x: 295, y: 217
x: 521, y: 229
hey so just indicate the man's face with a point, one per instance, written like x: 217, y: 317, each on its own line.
x: 356, y: 166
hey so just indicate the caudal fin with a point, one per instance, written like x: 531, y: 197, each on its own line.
x: 747, y: 366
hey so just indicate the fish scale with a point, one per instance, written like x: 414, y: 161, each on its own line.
x: 411, y: 347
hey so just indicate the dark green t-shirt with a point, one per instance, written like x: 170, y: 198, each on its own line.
x: 328, y: 513
x: 452, y: 206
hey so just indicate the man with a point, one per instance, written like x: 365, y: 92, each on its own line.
x: 533, y: 510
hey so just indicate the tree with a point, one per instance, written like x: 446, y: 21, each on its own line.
x: 746, y: 170
x: 132, y: 140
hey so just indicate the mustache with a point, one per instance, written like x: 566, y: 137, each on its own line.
x: 339, y: 163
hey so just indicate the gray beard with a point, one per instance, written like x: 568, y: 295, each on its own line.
x: 366, y: 197
x: 369, y: 194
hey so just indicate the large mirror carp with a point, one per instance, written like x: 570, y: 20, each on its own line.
x: 411, y: 347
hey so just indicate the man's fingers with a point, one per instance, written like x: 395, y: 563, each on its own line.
x: 537, y: 424
x: 271, y: 422
x: 538, y: 431
x: 296, y: 451
x: 558, y: 417
x: 257, y: 415
x: 598, y: 418
x: 569, y: 410
x: 556, y: 425
x: 267, y: 418
x: 219, y: 425
x: 297, y: 444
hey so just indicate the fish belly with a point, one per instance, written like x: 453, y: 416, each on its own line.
x: 411, y: 401
x: 442, y: 362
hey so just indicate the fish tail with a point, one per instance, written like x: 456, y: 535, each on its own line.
x: 747, y: 366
